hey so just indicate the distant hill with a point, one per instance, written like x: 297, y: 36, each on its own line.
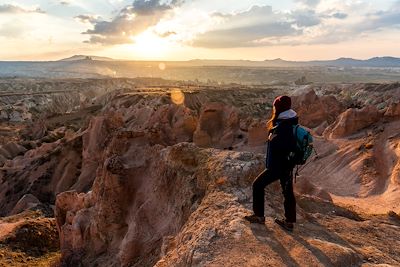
x: 382, y: 62
x: 86, y: 57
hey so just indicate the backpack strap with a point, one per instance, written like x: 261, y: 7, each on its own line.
x: 295, y: 130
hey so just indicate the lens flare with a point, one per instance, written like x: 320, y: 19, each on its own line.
x: 177, y: 97
x: 162, y: 66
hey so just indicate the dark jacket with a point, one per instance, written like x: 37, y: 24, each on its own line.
x: 280, y: 143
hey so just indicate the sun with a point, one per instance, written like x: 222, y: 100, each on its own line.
x: 150, y: 45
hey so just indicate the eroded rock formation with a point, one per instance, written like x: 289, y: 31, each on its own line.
x: 149, y: 182
x: 353, y: 120
x: 218, y: 126
x: 314, y: 110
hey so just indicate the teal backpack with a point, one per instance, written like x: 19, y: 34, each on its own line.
x: 304, y: 145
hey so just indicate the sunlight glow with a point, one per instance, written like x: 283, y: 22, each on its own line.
x: 149, y: 45
x: 162, y: 66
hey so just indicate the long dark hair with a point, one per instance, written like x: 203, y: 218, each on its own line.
x: 272, y: 121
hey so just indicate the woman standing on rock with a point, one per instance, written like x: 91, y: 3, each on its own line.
x: 281, y: 142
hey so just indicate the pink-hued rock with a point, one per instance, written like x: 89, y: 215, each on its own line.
x: 94, y: 140
x: 353, y: 120
x: 141, y: 194
x: 314, y: 110
x: 168, y: 124
x: 218, y: 126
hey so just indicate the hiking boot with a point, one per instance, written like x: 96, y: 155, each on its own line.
x: 285, y: 225
x: 255, y: 219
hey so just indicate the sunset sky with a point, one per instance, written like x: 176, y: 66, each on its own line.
x: 206, y: 29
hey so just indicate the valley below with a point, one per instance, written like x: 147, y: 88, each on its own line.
x: 101, y: 171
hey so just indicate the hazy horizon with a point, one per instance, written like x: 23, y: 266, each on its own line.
x: 200, y: 59
x: 179, y: 30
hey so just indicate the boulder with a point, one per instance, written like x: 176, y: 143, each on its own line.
x: 353, y: 120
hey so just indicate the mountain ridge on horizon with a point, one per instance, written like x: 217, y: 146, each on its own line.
x: 379, y: 61
x: 383, y: 61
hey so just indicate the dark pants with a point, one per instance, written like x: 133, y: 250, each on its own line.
x: 267, y: 177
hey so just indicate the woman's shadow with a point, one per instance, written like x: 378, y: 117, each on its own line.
x: 267, y: 236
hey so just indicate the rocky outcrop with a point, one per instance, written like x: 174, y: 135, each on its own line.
x: 218, y: 126
x: 314, y: 110
x: 353, y: 120
x: 41, y: 172
x: 166, y: 122
x: 141, y: 195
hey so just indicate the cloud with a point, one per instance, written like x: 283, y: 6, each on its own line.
x: 259, y: 23
x: 310, y: 22
x: 7, y: 8
x: 87, y: 19
x: 166, y: 34
x: 305, y: 17
x: 382, y: 19
x: 310, y: 3
x: 150, y: 7
x: 130, y: 21
x: 339, y: 15
x: 261, y: 26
